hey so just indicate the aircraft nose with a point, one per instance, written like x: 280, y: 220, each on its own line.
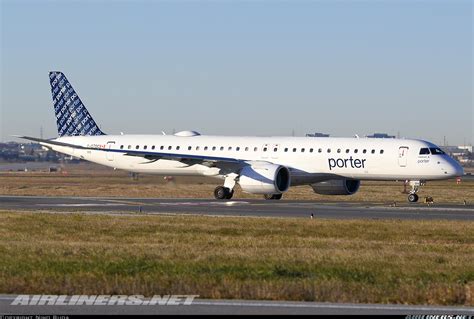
x: 456, y: 169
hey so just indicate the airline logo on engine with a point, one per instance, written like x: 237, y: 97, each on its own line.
x: 346, y: 163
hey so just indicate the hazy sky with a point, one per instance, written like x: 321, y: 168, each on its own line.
x: 244, y: 67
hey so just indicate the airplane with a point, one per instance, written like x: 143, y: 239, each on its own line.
x: 260, y: 165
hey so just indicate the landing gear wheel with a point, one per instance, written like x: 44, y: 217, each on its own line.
x: 222, y: 192
x: 229, y: 194
x: 272, y: 196
x: 412, y: 198
x: 415, y: 187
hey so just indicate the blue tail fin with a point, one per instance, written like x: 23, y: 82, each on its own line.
x: 72, y: 116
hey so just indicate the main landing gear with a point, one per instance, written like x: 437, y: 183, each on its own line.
x: 222, y: 192
x: 226, y: 191
x: 415, y: 187
x: 272, y: 196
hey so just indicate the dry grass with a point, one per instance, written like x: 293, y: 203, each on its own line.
x: 92, y: 180
x: 414, y: 262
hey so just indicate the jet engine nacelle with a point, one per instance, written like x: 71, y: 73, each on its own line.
x: 264, y: 179
x: 337, y: 187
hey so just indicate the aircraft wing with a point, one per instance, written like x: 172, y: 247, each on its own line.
x: 148, y: 155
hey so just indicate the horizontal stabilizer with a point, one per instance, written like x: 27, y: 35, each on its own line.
x: 49, y: 142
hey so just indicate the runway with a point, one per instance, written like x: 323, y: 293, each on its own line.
x: 250, y: 208
x: 235, y: 307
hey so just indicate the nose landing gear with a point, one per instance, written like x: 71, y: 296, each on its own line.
x: 413, y: 198
x: 415, y: 187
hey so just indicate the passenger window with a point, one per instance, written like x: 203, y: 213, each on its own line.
x: 329, y: 150
x: 246, y: 149
x: 130, y: 147
x: 222, y: 148
x: 347, y: 150
x: 294, y: 150
x: 356, y: 151
x: 381, y: 151
x: 177, y: 148
x: 145, y: 147
x: 121, y: 147
x: 424, y: 151
x: 286, y: 149
x: 213, y: 148
x: 364, y: 151
x: 169, y: 147
x: 255, y: 149
x: 161, y: 147
x: 197, y: 148
x: 264, y: 149
x: 339, y: 150
x: 153, y: 147
x: 373, y: 151
x: 137, y: 147
x: 237, y: 148
x: 189, y: 148
x: 320, y: 150
x: 205, y: 148
x: 302, y: 150
x: 311, y: 150
x: 230, y: 148
x: 275, y: 149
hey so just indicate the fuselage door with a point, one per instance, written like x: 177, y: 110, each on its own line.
x: 110, y: 155
x: 402, y: 156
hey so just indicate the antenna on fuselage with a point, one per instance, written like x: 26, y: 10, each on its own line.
x: 163, y: 132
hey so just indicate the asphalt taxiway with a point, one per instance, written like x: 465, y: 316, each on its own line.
x: 255, y: 207
x: 241, y: 307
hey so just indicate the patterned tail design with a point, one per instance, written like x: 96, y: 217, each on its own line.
x: 72, y: 116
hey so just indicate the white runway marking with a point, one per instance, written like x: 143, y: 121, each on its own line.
x: 202, y: 203
x: 286, y: 304
x: 80, y: 205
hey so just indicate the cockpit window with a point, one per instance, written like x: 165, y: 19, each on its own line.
x: 436, y: 151
x: 425, y: 151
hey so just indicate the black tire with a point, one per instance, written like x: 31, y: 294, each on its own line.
x: 221, y: 192
x: 229, y: 194
x: 412, y: 198
x: 272, y: 196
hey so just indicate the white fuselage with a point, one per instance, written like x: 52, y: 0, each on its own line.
x: 309, y: 159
